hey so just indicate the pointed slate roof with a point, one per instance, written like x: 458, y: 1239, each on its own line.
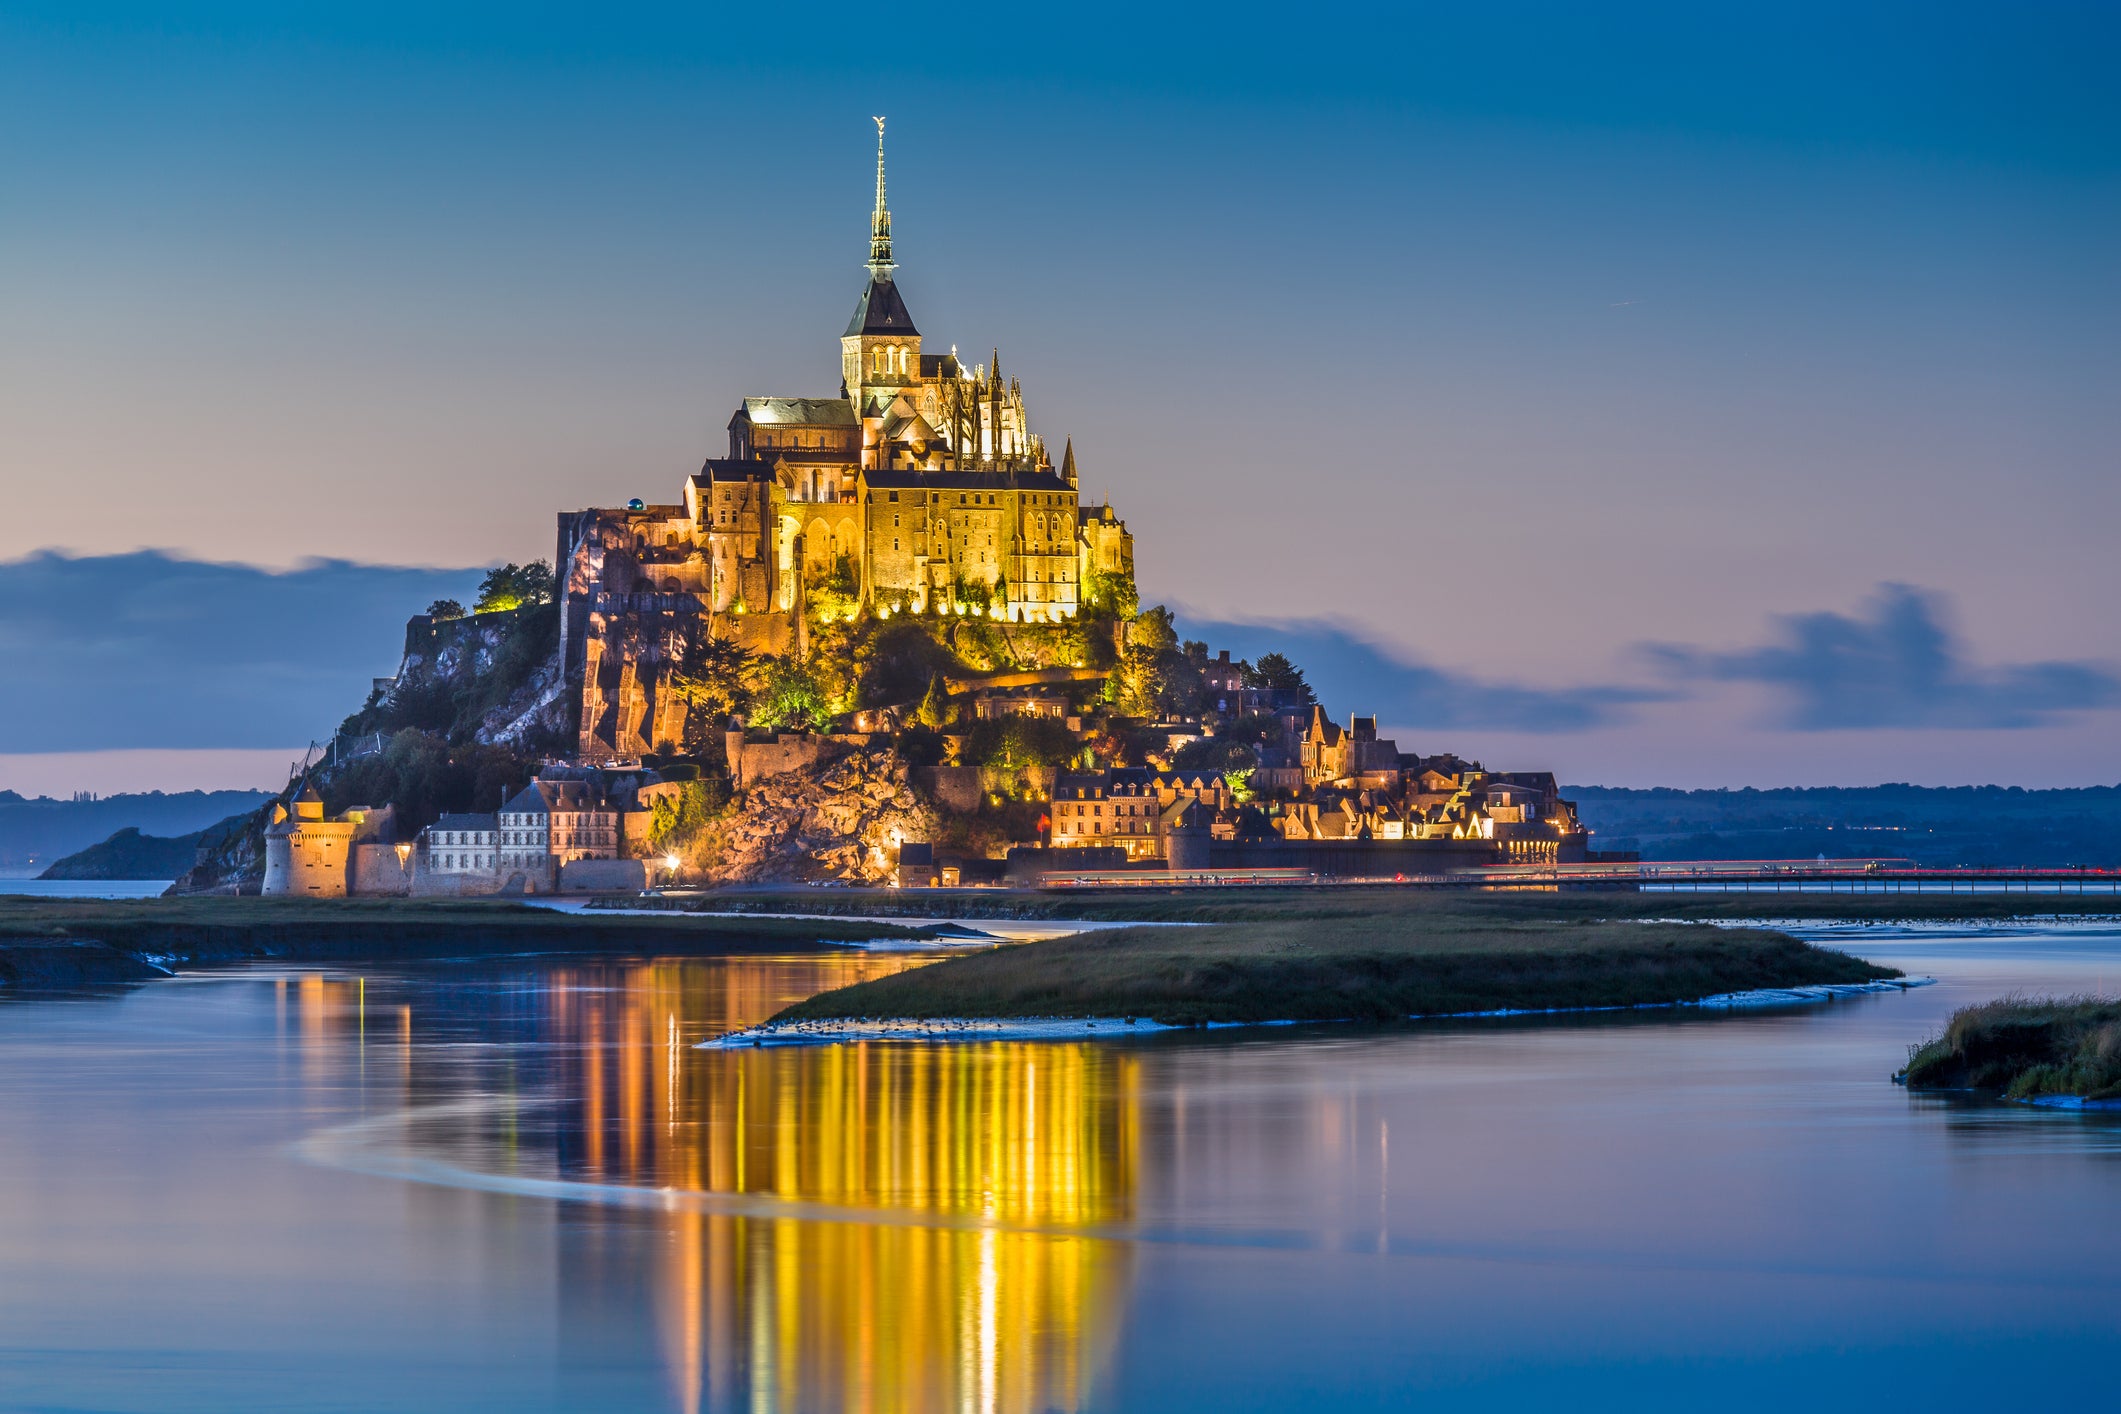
x: 800, y: 412
x: 542, y: 797
x: 881, y: 311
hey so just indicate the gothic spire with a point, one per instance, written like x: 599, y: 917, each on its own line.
x: 1068, y: 463
x: 880, y: 266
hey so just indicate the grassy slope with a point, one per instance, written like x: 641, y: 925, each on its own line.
x: 1427, y: 960
x: 2026, y: 1048
x: 1143, y: 905
x: 224, y: 929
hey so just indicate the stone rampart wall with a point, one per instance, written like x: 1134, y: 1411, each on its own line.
x: 603, y: 876
x: 785, y: 753
x: 374, y: 869
x: 1372, y: 858
x: 957, y: 787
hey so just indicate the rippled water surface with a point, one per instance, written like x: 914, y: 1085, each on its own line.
x: 517, y: 1186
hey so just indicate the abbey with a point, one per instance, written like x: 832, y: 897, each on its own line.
x: 919, y: 488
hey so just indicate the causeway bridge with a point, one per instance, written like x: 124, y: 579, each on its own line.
x: 1663, y: 875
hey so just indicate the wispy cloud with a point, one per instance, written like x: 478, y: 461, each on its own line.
x: 153, y: 650
x: 1893, y: 665
x: 1352, y: 673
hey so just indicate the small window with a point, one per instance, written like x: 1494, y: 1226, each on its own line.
x: 894, y: 498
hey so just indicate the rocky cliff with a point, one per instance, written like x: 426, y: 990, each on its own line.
x: 229, y: 858
x: 843, y: 822
x: 494, y: 679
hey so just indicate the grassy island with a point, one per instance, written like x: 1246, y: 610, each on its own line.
x: 1421, y: 961
x: 2025, y: 1049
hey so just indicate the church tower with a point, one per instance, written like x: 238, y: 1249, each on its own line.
x: 880, y: 354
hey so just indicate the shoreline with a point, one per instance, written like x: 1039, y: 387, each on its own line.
x: 862, y: 1031
x: 64, y: 944
x: 2056, y: 1052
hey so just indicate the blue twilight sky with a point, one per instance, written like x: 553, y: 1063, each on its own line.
x: 1660, y: 393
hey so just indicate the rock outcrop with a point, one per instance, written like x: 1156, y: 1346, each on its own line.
x: 229, y: 857
x: 845, y: 822
x: 493, y: 678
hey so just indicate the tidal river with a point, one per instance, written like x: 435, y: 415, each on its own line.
x: 516, y: 1185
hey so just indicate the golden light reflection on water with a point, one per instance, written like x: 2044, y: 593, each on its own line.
x: 783, y: 1313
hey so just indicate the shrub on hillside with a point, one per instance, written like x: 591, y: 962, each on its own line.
x: 423, y: 775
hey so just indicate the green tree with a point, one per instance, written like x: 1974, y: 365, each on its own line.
x: 423, y: 775
x: 442, y: 609
x: 791, y: 696
x: 1020, y: 741
x: 1215, y: 753
x: 834, y: 591
x: 676, y: 820
x: 1256, y: 729
x: 511, y: 586
x: 898, y: 661
x: 1153, y: 628
x: 1276, y: 673
x: 715, y: 676
x: 935, y: 711
x: 1155, y: 677
x: 1111, y: 594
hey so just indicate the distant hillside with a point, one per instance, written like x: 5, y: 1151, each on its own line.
x: 129, y: 855
x: 1936, y: 826
x: 35, y: 832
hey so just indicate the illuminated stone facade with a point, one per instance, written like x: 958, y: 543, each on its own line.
x: 920, y: 486
x: 308, y: 855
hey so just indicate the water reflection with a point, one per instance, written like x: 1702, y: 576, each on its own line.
x: 1642, y: 1211
x: 948, y: 1278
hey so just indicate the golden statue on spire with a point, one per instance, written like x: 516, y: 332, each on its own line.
x: 880, y: 266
